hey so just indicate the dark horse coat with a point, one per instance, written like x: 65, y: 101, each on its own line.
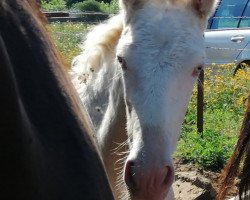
x: 46, y: 145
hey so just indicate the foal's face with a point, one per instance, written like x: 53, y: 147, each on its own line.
x: 161, y: 53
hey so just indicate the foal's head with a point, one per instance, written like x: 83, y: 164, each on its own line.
x: 161, y: 52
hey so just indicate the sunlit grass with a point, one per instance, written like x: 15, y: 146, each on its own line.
x: 225, y: 98
x: 67, y: 37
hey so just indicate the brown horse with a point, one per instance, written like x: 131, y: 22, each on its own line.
x: 46, y: 145
x: 233, y: 167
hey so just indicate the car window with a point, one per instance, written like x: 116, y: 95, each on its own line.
x: 245, y: 21
x: 228, y: 14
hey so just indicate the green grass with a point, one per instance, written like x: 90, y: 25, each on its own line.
x: 67, y: 37
x: 225, y: 101
x: 211, y: 149
x: 225, y: 98
x: 209, y: 152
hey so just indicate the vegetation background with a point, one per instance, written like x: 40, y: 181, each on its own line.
x: 225, y: 94
x: 106, y: 6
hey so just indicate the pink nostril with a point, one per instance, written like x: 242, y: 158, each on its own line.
x: 129, y: 175
x: 138, y: 180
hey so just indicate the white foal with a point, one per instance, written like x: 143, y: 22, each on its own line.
x: 135, y: 78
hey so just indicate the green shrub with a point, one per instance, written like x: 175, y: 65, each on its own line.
x: 209, y: 152
x: 53, y: 5
x: 71, y: 2
x: 111, y: 8
x: 97, y: 5
x: 89, y: 5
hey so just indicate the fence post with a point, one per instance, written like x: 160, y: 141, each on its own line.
x: 200, y: 103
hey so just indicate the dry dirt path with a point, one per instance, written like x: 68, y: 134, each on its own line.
x: 195, y: 184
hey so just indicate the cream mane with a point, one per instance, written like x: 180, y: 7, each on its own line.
x: 100, y: 44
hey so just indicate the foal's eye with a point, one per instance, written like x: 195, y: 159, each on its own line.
x: 122, y: 62
x: 120, y: 59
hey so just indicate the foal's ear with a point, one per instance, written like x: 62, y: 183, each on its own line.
x: 203, y: 8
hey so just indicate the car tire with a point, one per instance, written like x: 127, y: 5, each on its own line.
x: 242, y: 65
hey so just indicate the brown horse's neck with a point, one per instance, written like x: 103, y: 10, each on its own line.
x: 46, y: 145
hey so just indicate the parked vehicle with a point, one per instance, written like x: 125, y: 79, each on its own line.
x: 227, y: 37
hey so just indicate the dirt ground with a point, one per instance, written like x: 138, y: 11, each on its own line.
x: 196, y: 184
